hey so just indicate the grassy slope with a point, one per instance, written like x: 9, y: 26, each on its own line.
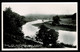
x: 67, y: 24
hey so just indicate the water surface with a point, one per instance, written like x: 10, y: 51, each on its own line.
x: 68, y: 37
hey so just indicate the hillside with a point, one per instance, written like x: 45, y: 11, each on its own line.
x: 12, y: 34
x: 13, y: 25
x: 32, y: 17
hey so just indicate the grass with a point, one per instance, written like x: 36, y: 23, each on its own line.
x: 65, y: 24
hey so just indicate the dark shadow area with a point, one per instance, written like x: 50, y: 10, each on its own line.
x: 49, y: 38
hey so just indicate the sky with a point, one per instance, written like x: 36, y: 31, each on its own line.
x: 42, y: 8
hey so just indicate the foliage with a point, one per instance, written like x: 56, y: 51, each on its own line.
x: 68, y: 45
x: 56, y: 20
x: 74, y: 16
x: 47, y: 36
x: 12, y: 27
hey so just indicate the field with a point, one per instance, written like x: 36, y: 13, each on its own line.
x: 65, y: 24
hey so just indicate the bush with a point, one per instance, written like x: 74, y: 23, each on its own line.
x: 47, y: 36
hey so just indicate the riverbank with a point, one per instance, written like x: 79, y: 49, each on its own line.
x: 58, y: 27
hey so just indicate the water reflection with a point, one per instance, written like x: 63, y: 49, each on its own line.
x: 29, y: 30
x: 67, y: 37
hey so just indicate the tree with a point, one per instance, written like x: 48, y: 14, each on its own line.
x: 12, y: 25
x: 74, y: 16
x: 47, y: 36
x: 56, y: 20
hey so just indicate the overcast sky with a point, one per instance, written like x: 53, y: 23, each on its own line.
x: 42, y: 8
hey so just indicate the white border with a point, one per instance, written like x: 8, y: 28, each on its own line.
x: 39, y: 2
x: 29, y: 49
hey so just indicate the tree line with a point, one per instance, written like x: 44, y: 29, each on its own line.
x: 12, y: 23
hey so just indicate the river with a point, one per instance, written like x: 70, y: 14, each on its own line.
x: 68, y: 37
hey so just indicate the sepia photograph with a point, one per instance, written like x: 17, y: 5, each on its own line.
x: 39, y: 26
